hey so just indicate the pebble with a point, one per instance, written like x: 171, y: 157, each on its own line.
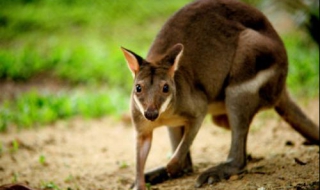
x: 234, y: 177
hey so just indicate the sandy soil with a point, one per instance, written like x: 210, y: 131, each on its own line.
x: 99, y: 154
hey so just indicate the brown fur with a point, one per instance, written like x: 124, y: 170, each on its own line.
x: 220, y: 57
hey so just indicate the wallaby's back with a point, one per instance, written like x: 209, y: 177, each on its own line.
x: 209, y: 31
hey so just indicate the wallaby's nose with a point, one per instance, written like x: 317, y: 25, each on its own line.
x: 151, y: 114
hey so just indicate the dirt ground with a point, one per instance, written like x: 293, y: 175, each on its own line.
x: 99, y: 154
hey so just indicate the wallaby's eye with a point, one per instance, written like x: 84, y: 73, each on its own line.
x: 138, y: 88
x: 165, y: 88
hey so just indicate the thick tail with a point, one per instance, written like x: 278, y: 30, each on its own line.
x: 292, y: 114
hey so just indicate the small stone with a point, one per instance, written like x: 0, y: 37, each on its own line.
x: 234, y: 177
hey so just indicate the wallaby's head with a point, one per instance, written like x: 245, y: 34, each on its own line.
x: 154, y: 86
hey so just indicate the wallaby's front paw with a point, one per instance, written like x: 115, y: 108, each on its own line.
x: 153, y: 177
x: 174, y: 170
x: 134, y: 186
x: 217, y: 173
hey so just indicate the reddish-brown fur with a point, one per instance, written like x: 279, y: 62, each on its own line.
x: 220, y: 57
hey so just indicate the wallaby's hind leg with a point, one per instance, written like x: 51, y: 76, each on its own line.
x: 239, y: 119
x: 160, y: 174
x: 292, y: 114
x: 248, y: 91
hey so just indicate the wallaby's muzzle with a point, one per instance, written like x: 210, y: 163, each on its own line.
x: 151, y: 114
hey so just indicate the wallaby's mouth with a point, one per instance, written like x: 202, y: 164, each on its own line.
x: 151, y: 114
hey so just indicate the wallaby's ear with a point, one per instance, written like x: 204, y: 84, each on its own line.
x: 133, y: 60
x: 173, y: 57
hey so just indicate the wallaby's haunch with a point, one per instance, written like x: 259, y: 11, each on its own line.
x: 218, y: 57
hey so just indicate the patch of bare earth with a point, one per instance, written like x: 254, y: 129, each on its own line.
x: 99, y: 154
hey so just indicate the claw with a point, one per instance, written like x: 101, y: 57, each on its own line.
x: 210, y: 180
x: 217, y: 173
x: 201, y: 180
x: 198, y: 185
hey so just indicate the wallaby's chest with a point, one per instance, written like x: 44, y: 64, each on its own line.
x: 171, y: 120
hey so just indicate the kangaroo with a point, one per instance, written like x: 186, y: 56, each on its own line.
x: 217, y: 57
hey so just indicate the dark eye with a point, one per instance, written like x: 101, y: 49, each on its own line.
x: 138, y: 88
x: 165, y: 88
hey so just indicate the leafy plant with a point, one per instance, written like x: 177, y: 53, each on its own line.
x: 42, y: 159
x: 49, y: 185
x: 15, y: 177
x: 68, y: 179
x: 15, y: 146
x: 122, y: 164
x: 1, y: 148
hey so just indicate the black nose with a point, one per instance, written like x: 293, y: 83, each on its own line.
x: 151, y: 114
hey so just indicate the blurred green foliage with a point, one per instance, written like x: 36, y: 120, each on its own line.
x: 78, y: 41
x: 35, y: 109
x: 303, y: 76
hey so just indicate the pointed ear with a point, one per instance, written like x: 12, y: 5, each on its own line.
x: 173, y: 57
x: 133, y: 60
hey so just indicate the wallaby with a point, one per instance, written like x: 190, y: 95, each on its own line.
x: 218, y: 57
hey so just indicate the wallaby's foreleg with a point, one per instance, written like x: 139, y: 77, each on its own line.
x: 160, y: 174
x: 240, y: 108
x: 176, y: 134
x: 142, y: 150
x: 177, y: 163
x: 292, y: 114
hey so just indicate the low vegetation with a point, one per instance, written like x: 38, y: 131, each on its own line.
x: 78, y: 42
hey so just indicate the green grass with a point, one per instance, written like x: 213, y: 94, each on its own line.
x: 303, y: 76
x: 42, y: 159
x: 49, y: 185
x: 35, y: 109
x: 78, y: 42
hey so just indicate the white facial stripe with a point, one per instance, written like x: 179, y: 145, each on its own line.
x: 253, y: 85
x: 165, y: 104
x: 138, y: 104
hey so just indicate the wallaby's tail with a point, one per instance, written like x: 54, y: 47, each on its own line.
x: 292, y: 114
